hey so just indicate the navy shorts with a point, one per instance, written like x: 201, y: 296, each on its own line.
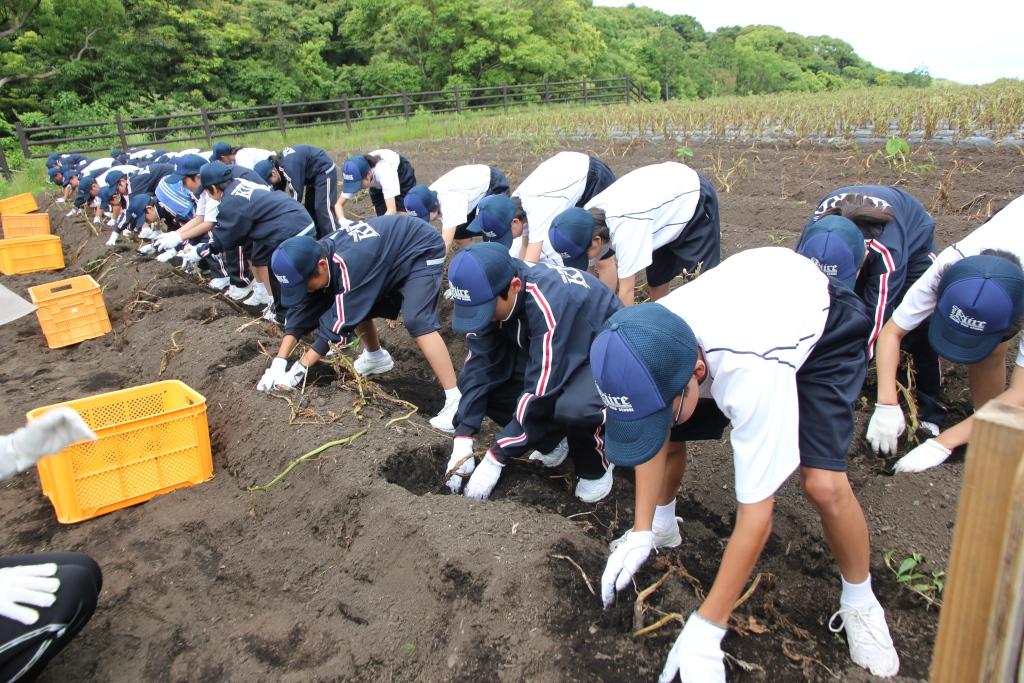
x: 498, y: 185
x: 699, y: 242
x: 599, y: 177
x: 827, y: 386
x: 416, y: 297
x: 406, y: 181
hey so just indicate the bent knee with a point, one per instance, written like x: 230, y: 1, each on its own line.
x: 825, y: 489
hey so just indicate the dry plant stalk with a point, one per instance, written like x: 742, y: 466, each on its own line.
x: 571, y: 561
x: 303, y: 458
x: 908, y: 396
x: 170, y: 351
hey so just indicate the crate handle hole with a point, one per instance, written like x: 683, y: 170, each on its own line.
x: 53, y: 290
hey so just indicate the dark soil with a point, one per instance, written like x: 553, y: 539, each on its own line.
x: 360, y: 566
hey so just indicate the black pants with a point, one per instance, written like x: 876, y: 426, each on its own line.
x: 234, y: 265
x: 599, y: 177
x: 25, y: 650
x: 699, y: 244
x: 578, y: 417
x: 406, y: 181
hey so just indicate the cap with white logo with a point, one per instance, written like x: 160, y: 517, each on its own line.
x: 476, y: 276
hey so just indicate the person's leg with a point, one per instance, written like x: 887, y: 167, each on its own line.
x: 579, y: 410
x: 377, y: 199
x: 26, y: 649
x: 367, y: 333
x: 440, y: 361
x: 928, y: 376
x: 988, y: 378
x: 842, y: 520
x: 325, y: 194
x: 420, y: 293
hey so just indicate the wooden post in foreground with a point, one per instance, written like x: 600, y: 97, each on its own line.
x: 980, y: 626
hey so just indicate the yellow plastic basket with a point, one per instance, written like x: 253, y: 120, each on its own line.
x: 152, y: 439
x: 19, y: 203
x: 70, y: 311
x: 25, y: 224
x: 30, y: 254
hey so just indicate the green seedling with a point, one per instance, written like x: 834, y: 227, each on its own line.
x: 684, y: 152
x: 911, y: 575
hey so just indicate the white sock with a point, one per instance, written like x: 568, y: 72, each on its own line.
x: 665, y: 516
x: 451, y: 395
x: 258, y: 287
x: 375, y: 355
x: 858, y: 594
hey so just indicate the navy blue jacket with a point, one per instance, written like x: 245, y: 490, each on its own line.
x: 252, y: 212
x: 904, y: 250
x: 145, y: 180
x: 546, y: 338
x: 368, y: 259
x: 82, y: 197
x: 301, y: 164
x: 247, y: 173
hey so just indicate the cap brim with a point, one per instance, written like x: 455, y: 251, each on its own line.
x: 629, y: 444
x: 476, y: 225
x: 467, y: 318
x: 960, y: 347
x: 293, y: 296
x: 351, y: 186
x: 579, y: 262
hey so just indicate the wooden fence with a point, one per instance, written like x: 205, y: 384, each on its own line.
x: 96, y: 136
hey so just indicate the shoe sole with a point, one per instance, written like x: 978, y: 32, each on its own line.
x: 377, y: 370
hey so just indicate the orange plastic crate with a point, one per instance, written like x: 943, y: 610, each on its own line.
x: 152, y: 439
x: 70, y: 311
x: 19, y: 203
x: 25, y: 225
x: 30, y: 254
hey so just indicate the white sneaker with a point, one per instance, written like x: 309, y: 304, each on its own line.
x: 867, y: 634
x: 239, y: 293
x: 111, y: 223
x: 445, y: 419
x: 663, y: 538
x: 147, y: 250
x: 593, y: 490
x: 112, y: 240
x: 72, y: 212
x: 369, y: 366
x: 219, y: 282
x: 167, y: 256
x: 270, y: 313
x: 259, y: 297
x: 553, y: 459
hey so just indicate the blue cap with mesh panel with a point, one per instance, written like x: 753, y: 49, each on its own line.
x: 106, y: 194
x: 836, y: 245
x: 292, y: 264
x: 188, y: 164
x: 136, y: 211
x: 979, y: 299
x: 476, y: 276
x: 263, y: 169
x: 642, y: 359
x: 221, y: 149
x: 113, y: 177
x: 493, y: 220
x: 352, y: 173
x: 420, y: 201
x: 570, y: 235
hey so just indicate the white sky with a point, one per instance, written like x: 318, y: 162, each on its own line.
x: 973, y: 42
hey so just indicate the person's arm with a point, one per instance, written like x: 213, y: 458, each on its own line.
x: 288, y: 345
x: 887, y: 361
x: 196, y: 227
x: 339, y: 207
x: 44, y: 436
x: 607, y: 272
x: 753, y: 524
x: 649, y: 479
x: 448, y: 235
x: 488, y: 364
x: 627, y: 287
x: 532, y: 252
x: 960, y: 433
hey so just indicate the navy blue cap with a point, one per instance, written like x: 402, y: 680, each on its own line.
x: 420, y: 201
x: 642, y: 359
x: 220, y: 149
x: 979, y: 299
x: 136, y: 211
x: 352, y: 173
x: 494, y: 216
x: 113, y: 177
x: 263, y: 169
x: 189, y: 164
x: 106, y: 194
x: 836, y: 245
x: 214, y: 173
x: 476, y: 276
x: 570, y: 235
x: 292, y: 264
x: 53, y: 173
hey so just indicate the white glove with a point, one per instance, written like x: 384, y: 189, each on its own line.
x: 147, y: 250
x: 111, y: 222
x: 484, y: 478
x: 127, y: 232
x: 31, y: 584
x: 96, y: 219
x: 190, y: 254
x: 59, y: 200
x: 49, y: 434
x: 461, y: 447
x: 624, y: 563
x: 273, y: 375
x: 167, y: 256
x: 697, y: 655
x: 168, y: 240
x: 927, y: 455
x: 295, y: 376
x: 885, y: 428
x: 344, y: 223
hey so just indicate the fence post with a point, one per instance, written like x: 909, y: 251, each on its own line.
x: 120, y: 131
x: 280, y: 119
x: 23, y: 139
x: 504, y: 96
x: 629, y: 90
x: 405, y: 104
x: 545, y: 92
x: 458, y: 103
x: 981, y: 620
x: 3, y: 164
x: 585, y: 98
x: 348, y: 112
x: 206, y: 126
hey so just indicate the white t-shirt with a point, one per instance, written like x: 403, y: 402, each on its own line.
x: 554, y: 186
x: 757, y: 317
x: 1003, y: 231
x: 207, y: 207
x: 250, y: 156
x: 459, y: 191
x: 646, y: 209
x: 97, y: 165
x: 140, y: 154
